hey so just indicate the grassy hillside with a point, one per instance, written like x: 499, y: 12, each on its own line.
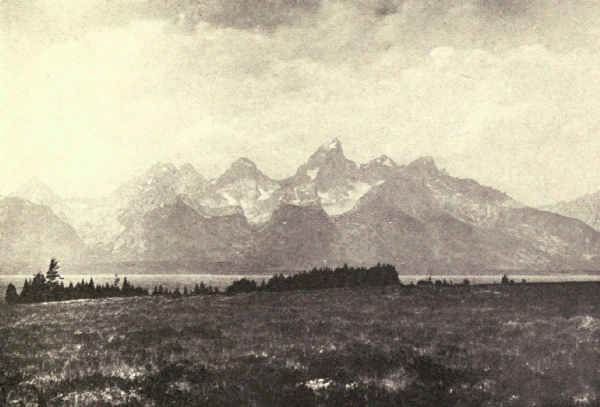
x: 501, y: 345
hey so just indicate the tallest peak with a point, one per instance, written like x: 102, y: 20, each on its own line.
x: 330, y: 150
x: 334, y: 144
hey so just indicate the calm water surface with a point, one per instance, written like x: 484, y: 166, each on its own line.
x: 496, y: 278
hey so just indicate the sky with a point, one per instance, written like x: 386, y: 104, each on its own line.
x: 506, y: 92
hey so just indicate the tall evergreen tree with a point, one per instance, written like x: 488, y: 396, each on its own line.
x: 39, y: 288
x: 11, y: 294
x: 52, y: 274
x: 26, y: 292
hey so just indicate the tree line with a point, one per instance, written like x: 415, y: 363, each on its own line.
x: 50, y: 287
x: 199, y: 289
x: 321, y: 278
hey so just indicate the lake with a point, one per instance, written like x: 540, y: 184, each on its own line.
x: 180, y: 281
x: 495, y: 278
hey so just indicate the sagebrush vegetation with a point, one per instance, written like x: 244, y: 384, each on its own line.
x: 499, y: 345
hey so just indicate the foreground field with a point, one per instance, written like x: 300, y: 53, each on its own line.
x: 500, y: 345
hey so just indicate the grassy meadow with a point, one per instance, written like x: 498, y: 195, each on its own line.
x: 488, y: 345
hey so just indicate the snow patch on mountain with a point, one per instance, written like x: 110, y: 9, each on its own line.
x: 332, y: 145
x: 265, y: 194
x: 337, y: 204
x: 231, y: 201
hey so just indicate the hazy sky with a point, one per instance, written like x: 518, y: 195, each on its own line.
x: 503, y: 91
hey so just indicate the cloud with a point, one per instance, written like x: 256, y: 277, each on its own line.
x: 496, y: 89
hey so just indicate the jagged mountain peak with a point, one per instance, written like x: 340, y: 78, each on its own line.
x: 330, y: 211
x: 188, y: 168
x: 165, y: 208
x: 244, y: 162
x: 425, y: 161
x: 160, y: 175
x: 330, y: 151
x: 385, y: 161
x: 242, y: 185
x: 190, y: 180
x: 242, y: 168
x: 333, y: 145
x: 161, y: 169
x: 156, y: 185
x: 425, y: 165
x: 381, y: 161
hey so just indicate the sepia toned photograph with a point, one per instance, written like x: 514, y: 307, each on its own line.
x: 300, y: 203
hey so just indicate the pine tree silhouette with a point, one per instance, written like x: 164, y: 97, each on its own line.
x: 11, y: 294
x: 52, y: 274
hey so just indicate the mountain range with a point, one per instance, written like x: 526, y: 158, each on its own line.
x: 331, y: 211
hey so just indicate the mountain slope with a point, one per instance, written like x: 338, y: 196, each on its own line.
x: 470, y: 226
x: 176, y: 232
x: 31, y: 233
x: 245, y: 186
x: 100, y: 221
x: 380, y: 232
x: 295, y: 237
x: 568, y: 243
x: 585, y: 208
